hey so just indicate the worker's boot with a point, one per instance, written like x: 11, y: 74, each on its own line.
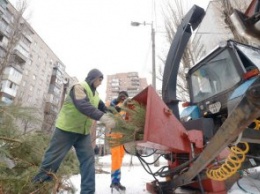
x: 118, y: 187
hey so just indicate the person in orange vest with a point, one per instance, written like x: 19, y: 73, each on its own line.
x: 117, y: 153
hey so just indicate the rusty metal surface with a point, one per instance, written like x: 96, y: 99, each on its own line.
x: 247, y: 110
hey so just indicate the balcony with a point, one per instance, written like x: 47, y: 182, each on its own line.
x: 135, y: 84
x: 3, y: 42
x: 57, y: 73
x: 12, y: 75
x: 56, y: 81
x: 115, y: 89
x: 9, y: 91
x: 6, y: 100
x: 22, y: 52
x: 2, y: 8
x: 3, y: 27
x: 12, y: 78
x: 5, y: 17
x: 132, y: 94
x: 135, y: 79
x: 28, y: 37
x: 60, y: 67
x: 132, y: 75
x: 54, y: 90
x: 132, y: 88
x: 49, y: 98
x: 50, y: 108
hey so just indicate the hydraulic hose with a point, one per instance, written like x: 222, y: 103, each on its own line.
x: 230, y: 166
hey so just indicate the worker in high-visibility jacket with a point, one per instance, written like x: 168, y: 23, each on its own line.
x: 81, y: 108
x: 117, y: 153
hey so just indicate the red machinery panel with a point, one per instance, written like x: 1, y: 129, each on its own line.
x: 251, y: 8
x: 162, y: 131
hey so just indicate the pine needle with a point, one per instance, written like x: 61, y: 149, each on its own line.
x: 21, y: 155
x: 129, y: 129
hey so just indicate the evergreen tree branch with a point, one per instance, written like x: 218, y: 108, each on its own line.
x: 10, y: 139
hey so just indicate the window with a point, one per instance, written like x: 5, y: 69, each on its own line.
x: 26, y: 72
x: 2, y: 52
x: 15, y: 73
x: 58, y: 73
x: 29, y: 62
x: 214, y: 77
x: 9, y: 15
x: 1, y: 37
x: 11, y: 85
x: 25, y: 41
x: 55, y: 90
x: 114, y: 84
x: 21, y: 94
x: 40, y: 82
x: 29, y: 100
x: 55, y: 100
x: 3, y: 25
x: 8, y: 29
x: 58, y: 81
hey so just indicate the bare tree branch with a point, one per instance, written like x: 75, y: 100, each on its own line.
x: 18, y: 28
x: 173, y: 14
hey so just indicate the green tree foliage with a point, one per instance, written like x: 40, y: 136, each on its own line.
x: 130, y: 128
x: 21, y: 155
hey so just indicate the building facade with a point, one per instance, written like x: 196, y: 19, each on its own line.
x: 130, y: 82
x: 213, y: 30
x: 31, y: 74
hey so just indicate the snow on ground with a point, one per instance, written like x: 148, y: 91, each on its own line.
x: 245, y: 185
x: 134, y: 177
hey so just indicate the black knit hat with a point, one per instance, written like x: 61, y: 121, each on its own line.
x: 123, y: 93
x: 93, y: 75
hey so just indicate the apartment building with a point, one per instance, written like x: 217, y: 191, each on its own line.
x: 130, y: 82
x: 32, y: 75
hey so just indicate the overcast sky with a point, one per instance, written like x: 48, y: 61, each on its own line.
x: 88, y: 34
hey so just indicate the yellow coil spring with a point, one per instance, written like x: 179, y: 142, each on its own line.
x: 256, y: 124
x: 232, y: 164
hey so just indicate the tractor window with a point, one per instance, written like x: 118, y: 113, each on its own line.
x: 252, y: 56
x: 214, y: 77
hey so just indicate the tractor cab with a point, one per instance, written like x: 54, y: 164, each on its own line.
x: 213, y: 80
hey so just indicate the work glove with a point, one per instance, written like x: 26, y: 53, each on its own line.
x: 108, y: 120
x: 127, y: 102
x: 118, y: 109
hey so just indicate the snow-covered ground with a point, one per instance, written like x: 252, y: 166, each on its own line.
x: 134, y: 177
